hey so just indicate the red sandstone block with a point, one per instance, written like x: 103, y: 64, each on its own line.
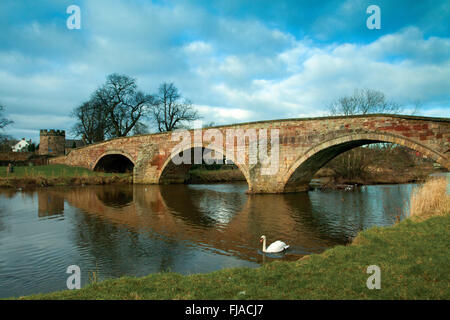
x: 401, y: 128
x: 408, y: 134
x: 391, y: 127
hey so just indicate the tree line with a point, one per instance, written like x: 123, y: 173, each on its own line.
x: 357, y: 164
x: 118, y: 109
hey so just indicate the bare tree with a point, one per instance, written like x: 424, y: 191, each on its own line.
x: 140, y: 128
x: 170, y: 110
x: 417, y: 105
x: 92, y: 121
x: 3, y: 121
x: 209, y: 124
x: 364, y: 101
x: 116, y: 109
x: 355, y: 164
x: 6, y: 141
x: 124, y: 104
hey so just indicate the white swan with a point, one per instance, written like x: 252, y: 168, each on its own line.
x: 277, y: 246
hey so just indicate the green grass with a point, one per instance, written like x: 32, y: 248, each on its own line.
x: 50, y: 171
x: 57, y: 175
x: 413, y: 257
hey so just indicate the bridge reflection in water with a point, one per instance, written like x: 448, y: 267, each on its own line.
x: 138, y: 230
x: 224, y: 219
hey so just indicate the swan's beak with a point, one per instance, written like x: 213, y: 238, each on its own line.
x: 261, y: 240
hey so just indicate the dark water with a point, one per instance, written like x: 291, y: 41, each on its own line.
x: 137, y: 230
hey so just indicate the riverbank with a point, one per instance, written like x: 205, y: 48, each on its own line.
x: 200, y: 176
x: 412, y: 256
x: 387, y: 176
x: 324, y: 178
x: 57, y: 175
x: 62, y: 175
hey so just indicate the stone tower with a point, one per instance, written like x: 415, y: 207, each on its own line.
x: 52, y: 142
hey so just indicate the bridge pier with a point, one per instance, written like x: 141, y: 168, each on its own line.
x: 304, y: 146
x: 274, y: 184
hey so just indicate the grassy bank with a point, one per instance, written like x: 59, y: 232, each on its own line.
x: 329, y: 177
x: 57, y: 175
x: 210, y: 176
x: 378, y: 175
x: 412, y: 256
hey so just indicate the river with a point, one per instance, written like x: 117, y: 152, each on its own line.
x: 137, y: 230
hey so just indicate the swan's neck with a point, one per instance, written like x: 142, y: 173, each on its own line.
x: 264, y: 244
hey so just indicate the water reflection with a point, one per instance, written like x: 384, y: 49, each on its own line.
x: 115, y: 197
x: 224, y: 218
x: 137, y: 230
x: 50, y: 204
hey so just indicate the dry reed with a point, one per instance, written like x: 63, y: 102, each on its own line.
x: 430, y: 199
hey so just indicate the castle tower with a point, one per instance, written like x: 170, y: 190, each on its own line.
x: 52, y: 142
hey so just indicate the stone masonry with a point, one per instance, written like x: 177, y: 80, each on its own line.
x: 305, y: 145
x: 52, y: 142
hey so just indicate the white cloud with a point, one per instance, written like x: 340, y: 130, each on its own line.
x: 221, y: 115
x: 314, y: 76
x: 233, y: 70
x: 198, y: 48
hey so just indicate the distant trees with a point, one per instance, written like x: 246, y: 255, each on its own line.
x: 118, y: 108
x: 92, y: 121
x: 357, y: 162
x: 363, y: 101
x: 3, y: 121
x: 5, y: 140
x: 6, y: 143
x: 170, y: 111
x: 32, y: 147
x: 125, y: 106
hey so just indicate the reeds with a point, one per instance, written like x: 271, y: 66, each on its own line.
x: 430, y: 199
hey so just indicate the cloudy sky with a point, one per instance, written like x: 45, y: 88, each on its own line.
x: 237, y: 61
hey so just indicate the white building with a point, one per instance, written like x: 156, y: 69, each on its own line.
x: 22, y: 145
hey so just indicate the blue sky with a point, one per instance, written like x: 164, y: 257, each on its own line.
x: 237, y: 61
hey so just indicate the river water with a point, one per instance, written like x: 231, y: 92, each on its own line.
x: 137, y: 230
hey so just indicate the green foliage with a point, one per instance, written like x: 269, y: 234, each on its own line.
x: 57, y: 175
x: 32, y: 147
x: 50, y: 171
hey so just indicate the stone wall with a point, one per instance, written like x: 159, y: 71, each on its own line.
x: 22, y: 158
x: 305, y: 145
x: 52, y: 142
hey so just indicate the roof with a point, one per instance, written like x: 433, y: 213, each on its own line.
x: 21, y: 145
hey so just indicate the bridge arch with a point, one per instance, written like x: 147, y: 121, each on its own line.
x: 114, y: 161
x: 306, y: 165
x: 180, y: 171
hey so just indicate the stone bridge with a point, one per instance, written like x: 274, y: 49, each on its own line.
x: 305, y: 145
